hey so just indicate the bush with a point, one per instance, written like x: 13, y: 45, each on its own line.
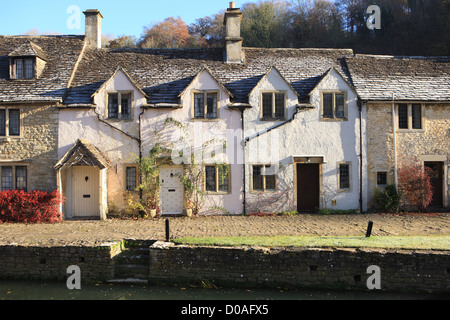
x: 415, y: 186
x: 389, y: 200
x: 30, y: 207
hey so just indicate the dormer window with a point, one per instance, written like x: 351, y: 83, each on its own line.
x: 27, y: 61
x: 119, y: 106
x: 24, y: 68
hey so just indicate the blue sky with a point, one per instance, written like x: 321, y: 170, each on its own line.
x: 121, y: 17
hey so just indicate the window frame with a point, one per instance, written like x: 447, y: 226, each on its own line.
x: 273, y: 116
x: 264, y: 180
x: 205, y: 104
x: 216, y: 178
x: 7, y: 124
x: 119, y: 105
x: 410, y: 117
x: 14, y: 64
x: 334, y: 93
x: 14, y: 177
x: 386, y: 177
x: 125, y: 174
x: 349, y: 164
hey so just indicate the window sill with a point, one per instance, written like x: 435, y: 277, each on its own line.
x: 217, y: 193
x: 273, y: 119
x: 205, y: 119
x: 263, y: 191
x: 333, y: 119
x: 410, y: 130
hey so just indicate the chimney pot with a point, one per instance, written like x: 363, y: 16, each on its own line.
x: 232, y: 6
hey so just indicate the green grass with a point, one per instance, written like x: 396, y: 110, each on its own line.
x: 385, y: 242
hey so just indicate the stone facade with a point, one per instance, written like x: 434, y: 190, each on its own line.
x: 36, y: 147
x: 431, y: 143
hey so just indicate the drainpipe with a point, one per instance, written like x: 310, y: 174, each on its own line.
x: 395, y: 141
x: 360, y: 105
x: 140, y: 151
x: 244, y: 144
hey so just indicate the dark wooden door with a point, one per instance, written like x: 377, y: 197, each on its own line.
x: 437, y: 176
x: 308, y: 187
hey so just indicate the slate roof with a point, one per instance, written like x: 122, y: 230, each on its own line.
x: 408, y: 78
x: 164, y: 74
x: 61, y: 54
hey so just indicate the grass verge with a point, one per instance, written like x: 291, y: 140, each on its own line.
x: 382, y: 242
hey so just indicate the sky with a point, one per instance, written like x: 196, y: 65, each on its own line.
x: 121, y: 17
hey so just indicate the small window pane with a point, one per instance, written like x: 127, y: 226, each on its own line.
x: 279, y: 105
x: 328, y: 105
x: 403, y: 116
x: 199, y: 105
x: 131, y: 178
x: 382, y: 178
x: 211, y: 105
x: 29, y: 74
x: 14, y: 122
x: 126, y: 106
x: 417, y: 116
x: 340, y: 106
x: 113, y: 106
x: 223, y: 178
x: 7, y: 178
x: 19, y: 68
x: 210, y: 173
x: 270, y: 180
x: 344, y: 176
x: 21, y: 178
x: 257, y: 178
x: 2, y: 122
x: 267, y: 105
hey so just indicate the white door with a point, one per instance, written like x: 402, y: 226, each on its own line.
x: 85, y: 191
x: 172, y: 190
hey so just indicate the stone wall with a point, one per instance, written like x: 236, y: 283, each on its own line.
x: 412, y: 145
x: 300, y: 268
x: 51, y: 263
x: 37, y: 147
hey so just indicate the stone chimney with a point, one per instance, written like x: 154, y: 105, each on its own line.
x: 93, y: 28
x: 233, y: 39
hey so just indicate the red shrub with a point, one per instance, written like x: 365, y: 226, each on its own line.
x: 30, y: 207
x: 415, y: 185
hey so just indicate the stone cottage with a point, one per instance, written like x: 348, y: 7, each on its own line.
x: 271, y: 129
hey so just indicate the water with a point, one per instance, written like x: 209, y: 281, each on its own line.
x: 20, y: 290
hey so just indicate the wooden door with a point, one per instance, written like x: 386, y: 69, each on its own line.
x: 437, y: 176
x: 172, y: 190
x: 85, y: 191
x: 308, y: 187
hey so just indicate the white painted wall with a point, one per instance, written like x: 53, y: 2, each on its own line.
x: 118, y: 147
x: 306, y: 135
x: 198, y: 132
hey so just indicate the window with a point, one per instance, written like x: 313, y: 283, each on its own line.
x: 334, y: 105
x: 24, y: 68
x: 217, y: 178
x: 13, y: 178
x: 263, y: 180
x: 410, y: 116
x: 9, y: 122
x: 273, y: 105
x: 205, y: 105
x: 131, y: 178
x: 381, y: 179
x: 344, y: 176
x: 119, y: 106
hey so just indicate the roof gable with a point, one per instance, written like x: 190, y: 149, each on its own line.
x: 273, y: 69
x: 206, y: 70
x: 28, y: 49
x: 121, y: 71
x: 327, y: 74
x: 83, y: 153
